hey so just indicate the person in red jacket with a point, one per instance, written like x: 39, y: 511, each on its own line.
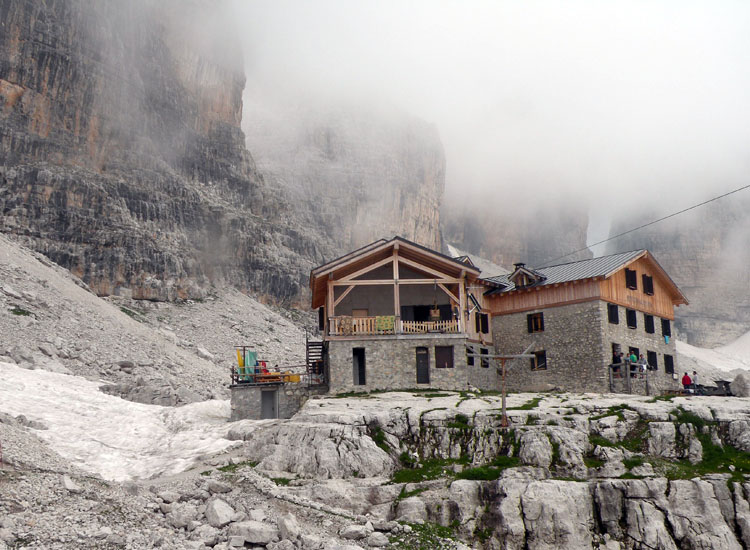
x: 686, y: 381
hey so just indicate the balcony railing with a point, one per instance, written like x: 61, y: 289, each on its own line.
x: 355, y: 326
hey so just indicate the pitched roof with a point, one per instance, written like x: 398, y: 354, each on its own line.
x: 586, y: 269
x: 603, y: 266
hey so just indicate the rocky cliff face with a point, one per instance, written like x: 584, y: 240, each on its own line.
x: 122, y: 157
x: 357, y: 173
x: 570, y: 472
x: 705, y: 252
x: 497, y: 226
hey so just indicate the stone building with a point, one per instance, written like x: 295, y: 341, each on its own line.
x: 397, y: 315
x: 577, y: 317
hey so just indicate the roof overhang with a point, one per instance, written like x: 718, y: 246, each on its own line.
x: 380, y: 250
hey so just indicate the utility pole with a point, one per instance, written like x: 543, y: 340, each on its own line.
x: 503, y: 358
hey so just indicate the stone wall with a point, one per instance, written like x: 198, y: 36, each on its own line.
x: 246, y: 399
x: 572, y: 340
x: 578, y: 340
x: 390, y: 363
x: 658, y: 380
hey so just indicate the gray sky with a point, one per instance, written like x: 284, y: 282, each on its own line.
x: 614, y: 103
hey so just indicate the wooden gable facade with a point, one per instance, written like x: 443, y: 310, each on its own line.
x: 397, y: 287
x: 639, y: 283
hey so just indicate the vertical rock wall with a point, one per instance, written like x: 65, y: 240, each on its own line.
x: 121, y: 153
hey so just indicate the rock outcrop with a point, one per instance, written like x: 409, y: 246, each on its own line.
x: 122, y: 157
x: 570, y: 472
x: 357, y: 173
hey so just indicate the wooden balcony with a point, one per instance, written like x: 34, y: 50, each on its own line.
x: 385, y: 325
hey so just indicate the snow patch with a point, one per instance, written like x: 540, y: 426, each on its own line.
x: 107, y: 435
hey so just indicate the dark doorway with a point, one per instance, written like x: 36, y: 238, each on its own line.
x: 422, y: 313
x: 423, y: 366
x: 358, y: 366
x: 268, y: 404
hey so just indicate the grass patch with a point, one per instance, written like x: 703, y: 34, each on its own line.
x: 532, y: 420
x: 430, y: 395
x: 599, y: 441
x: 378, y: 436
x: 461, y: 422
x: 662, y: 398
x: 131, y: 313
x: 633, y: 462
x: 529, y: 405
x: 635, y: 439
x: 206, y: 473
x: 406, y: 494
x: 491, y: 471
x: 432, y: 468
x: 281, y: 481
x: 592, y: 462
x: 427, y: 536
x: 614, y: 410
x: 15, y: 310
x: 231, y: 468
x: 685, y: 417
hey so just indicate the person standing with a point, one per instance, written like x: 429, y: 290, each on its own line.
x: 686, y: 381
x: 695, y: 381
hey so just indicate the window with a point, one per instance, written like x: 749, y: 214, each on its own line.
x: 634, y: 351
x: 485, y: 362
x: 358, y: 367
x: 444, y: 357
x: 631, y: 281
x: 666, y: 327
x: 648, y: 284
x: 535, y: 322
x: 668, y: 364
x: 652, y: 360
x: 648, y: 320
x: 469, y: 356
x: 613, y: 313
x: 632, y: 320
x: 539, y: 361
x: 482, y: 323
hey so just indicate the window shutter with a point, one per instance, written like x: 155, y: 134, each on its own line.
x: 477, y: 323
x: 485, y: 323
x: 321, y: 318
x: 530, y: 323
x: 666, y: 327
x: 541, y: 322
x: 630, y: 279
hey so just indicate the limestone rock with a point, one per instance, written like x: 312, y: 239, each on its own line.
x: 412, y: 510
x: 203, y: 353
x: 536, y: 449
x: 740, y: 386
x: 219, y: 513
x: 254, y: 532
x: 288, y: 527
x: 354, y: 532
x: 71, y: 486
x: 216, y: 486
x: 377, y: 540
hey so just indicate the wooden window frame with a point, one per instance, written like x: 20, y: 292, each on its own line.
x: 613, y: 319
x: 535, y: 361
x: 648, y: 324
x: 631, y: 313
x: 631, y: 279
x: 439, y: 350
x: 648, y: 284
x: 535, y: 322
x: 666, y: 323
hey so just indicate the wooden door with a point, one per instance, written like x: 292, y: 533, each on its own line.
x: 423, y: 366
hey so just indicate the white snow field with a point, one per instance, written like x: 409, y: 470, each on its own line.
x: 117, y: 439
x: 721, y: 363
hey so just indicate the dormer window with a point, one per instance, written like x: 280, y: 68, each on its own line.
x: 523, y: 276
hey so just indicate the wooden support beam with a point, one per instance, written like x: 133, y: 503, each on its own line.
x: 343, y: 295
x: 329, y: 298
x: 424, y: 268
x: 449, y: 293
x: 396, y: 291
x: 462, y: 304
x: 367, y: 269
x: 400, y: 282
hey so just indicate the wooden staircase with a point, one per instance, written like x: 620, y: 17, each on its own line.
x: 315, y: 361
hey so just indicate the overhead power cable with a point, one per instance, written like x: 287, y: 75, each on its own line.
x: 647, y: 224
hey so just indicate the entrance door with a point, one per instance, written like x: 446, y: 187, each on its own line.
x: 268, y: 400
x: 358, y: 366
x: 423, y: 366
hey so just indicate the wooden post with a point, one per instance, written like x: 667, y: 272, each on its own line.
x: 504, y: 421
x: 329, y: 302
x: 462, y: 303
x: 396, y: 293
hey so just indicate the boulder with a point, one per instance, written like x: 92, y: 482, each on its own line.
x: 281, y: 545
x: 203, y: 353
x: 536, y: 449
x: 181, y: 515
x: 412, y: 510
x: 288, y: 527
x: 216, y: 486
x: 71, y: 485
x: 219, y: 513
x: 254, y: 532
x: 377, y: 540
x: 740, y: 386
x: 354, y: 532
